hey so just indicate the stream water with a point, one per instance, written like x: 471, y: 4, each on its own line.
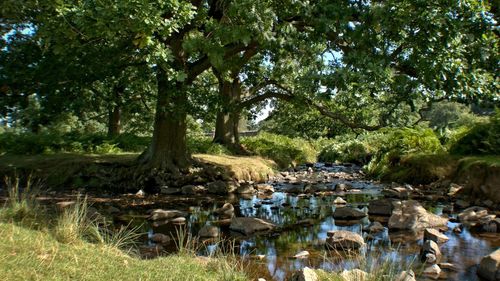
x: 305, y: 220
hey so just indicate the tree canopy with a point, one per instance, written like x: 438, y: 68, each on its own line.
x: 364, y: 64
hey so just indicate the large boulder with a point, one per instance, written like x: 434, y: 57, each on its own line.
x: 344, y: 240
x: 249, y: 226
x: 489, y: 268
x: 410, y: 215
x: 346, y: 213
x: 160, y: 214
x: 381, y: 207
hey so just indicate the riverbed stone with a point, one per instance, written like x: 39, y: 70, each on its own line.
x: 396, y: 192
x: 472, y: 214
x: 432, y: 271
x: 346, y: 213
x: 342, y: 187
x: 354, y: 275
x: 226, y: 211
x: 170, y: 190
x: 160, y: 238
x: 192, y: 189
x: 209, y: 231
x: 489, y: 268
x: 343, y: 239
x: 406, y: 276
x: 435, y: 235
x: 410, y: 215
x: 375, y: 227
x: 160, y: 214
x: 381, y: 207
x: 306, y: 274
x: 301, y: 255
x: 430, y: 252
x: 248, y: 225
x: 221, y: 187
x: 245, y: 188
x: 339, y: 201
x: 454, y: 189
x: 265, y: 188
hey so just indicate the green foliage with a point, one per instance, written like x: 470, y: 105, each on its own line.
x: 202, y: 144
x: 482, y: 139
x: 48, y: 142
x: 350, y: 151
x: 393, y: 144
x: 283, y: 150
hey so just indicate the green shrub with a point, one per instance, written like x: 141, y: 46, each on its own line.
x: 204, y: 145
x: 393, y: 144
x: 283, y: 150
x: 50, y: 142
x: 352, y: 151
x: 482, y: 139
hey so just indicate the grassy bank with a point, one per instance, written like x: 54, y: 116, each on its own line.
x: 82, y: 170
x: 27, y: 254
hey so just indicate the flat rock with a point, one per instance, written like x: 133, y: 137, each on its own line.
x: 432, y: 271
x: 247, y: 225
x: 435, y: 235
x: 381, y: 207
x: 346, y: 213
x: 170, y: 190
x: 160, y: 214
x: 301, y: 255
x: 343, y: 239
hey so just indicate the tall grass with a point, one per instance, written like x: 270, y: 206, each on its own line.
x: 21, y: 205
x: 74, y: 224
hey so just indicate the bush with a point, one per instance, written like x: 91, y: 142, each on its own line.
x: 352, y: 151
x: 392, y: 144
x: 204, y: 145
x: 49, y: 142
x: 482, y: 139
x: 283, y: 150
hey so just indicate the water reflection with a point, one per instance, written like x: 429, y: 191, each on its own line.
x: 304, y: 220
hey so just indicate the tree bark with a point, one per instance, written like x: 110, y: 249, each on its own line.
x: 168, y: 149
x: 114, y: 121
x: 228, y: 117
x: 115, y: 113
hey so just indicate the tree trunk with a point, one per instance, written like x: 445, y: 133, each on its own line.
x: 114, y: 121
x: 228, y: 117
x: 168, y: 149
x: 115, y: 113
